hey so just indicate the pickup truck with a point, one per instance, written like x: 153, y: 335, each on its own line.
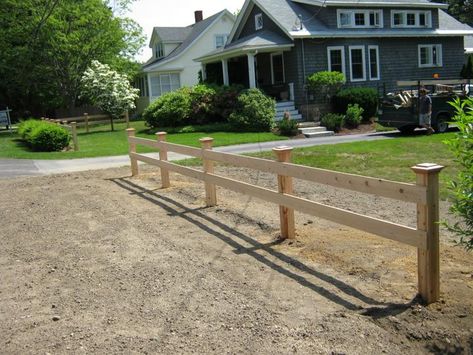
x: 401, y: 109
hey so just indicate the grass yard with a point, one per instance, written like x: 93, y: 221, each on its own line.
x: 102, y: 142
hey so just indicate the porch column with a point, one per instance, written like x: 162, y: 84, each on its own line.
x: 204, y: 71
x: 251, y: 70
x: 226, y: 80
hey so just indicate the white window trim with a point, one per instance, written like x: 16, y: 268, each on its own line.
x: 439, y: 55
x: 159, y: 75
x: 336, y: 48
x: 272, y: 67
x: 428, y: 19
x: 225, y: 38
x: 363, y: 63
x: 377, y: 62
x: 367, y: 12
x: 259, y: 21
x: 161, y: 45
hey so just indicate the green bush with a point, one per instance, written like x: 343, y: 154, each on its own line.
x: 462, y: 187
x: 353, y: 115
x: 202, y: 104
x: 226, y: 100
x: 43, y: 136
x: 172, y: 109
x: 326, y: 82
x: 366, y: 98
x: 254, y: 112
x: 25, y: 127
x: 287, y: 126
x: 332, y: 121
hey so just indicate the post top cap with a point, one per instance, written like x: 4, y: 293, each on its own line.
x: 282, y: 148
x: 206, y: 139
x: 427, y: 168
x: 162, y: 133
x: 130, y: 129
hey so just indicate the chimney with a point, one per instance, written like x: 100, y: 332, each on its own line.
x: 198, y: 16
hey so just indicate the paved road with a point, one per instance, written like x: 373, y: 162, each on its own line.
x: 10, y: 168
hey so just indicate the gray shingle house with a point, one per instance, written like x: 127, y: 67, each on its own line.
x: 275, y: 44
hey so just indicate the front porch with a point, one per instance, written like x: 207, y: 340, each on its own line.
x: 265, y: 71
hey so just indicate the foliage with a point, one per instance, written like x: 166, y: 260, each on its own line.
x: 467, y: 70
x: 332, y: 121
x: 226, y: 100
x: 462, y: 10
x: 366, y: 98
x: 462, y: 186
x: 108, y: 90
x: 46, y: 46
x: 169, y: 110
x: 202, y: 104
x: 287, y: 126
x: 254, y: 112
x: 353, y: 115
x: 43, y: 136
x: 326, y: 83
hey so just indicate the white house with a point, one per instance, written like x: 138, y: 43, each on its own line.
x: 174, y: 50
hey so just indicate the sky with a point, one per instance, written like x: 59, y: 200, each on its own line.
x: 174, y: 13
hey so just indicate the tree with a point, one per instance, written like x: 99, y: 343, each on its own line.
x: 46, y: 45
x: 108, y: 90
x: 462, y: 10
x: 462, y: 187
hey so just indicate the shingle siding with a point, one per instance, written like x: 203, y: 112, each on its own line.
x: 268, y: 25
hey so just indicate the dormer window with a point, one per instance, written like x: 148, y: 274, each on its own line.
x: 159, y: 50
x: 258, y: 21
x: 409, y: 19
x: 359, y: 18
x: 220, y: 40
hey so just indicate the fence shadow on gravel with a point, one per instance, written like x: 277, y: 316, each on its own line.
x: 376, y: 309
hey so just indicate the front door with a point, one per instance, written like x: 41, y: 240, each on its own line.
x: 277, y: 68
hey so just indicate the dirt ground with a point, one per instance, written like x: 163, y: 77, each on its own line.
x: 98, y: 262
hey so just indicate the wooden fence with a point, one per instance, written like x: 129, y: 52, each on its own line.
x: 87, y: 120
x: 424, y: 194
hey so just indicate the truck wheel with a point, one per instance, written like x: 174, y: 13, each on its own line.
x: 442, y: 124
x: 406, y: 129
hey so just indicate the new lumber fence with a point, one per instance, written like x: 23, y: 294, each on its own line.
x: 425, y: 194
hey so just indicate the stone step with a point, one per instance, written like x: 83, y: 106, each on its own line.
x: 312, y: 129
x: 319, y: 134
x: 308, y: 124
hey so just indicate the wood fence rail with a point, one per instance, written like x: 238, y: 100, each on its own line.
x: 87, y: 120
x: 424, y: 194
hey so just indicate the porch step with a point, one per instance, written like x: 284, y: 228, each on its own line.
x: 287, y: 106
x: 312, y: 130
x: 319, y: 134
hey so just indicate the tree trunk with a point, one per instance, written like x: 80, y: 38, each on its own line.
x: 111, y: 123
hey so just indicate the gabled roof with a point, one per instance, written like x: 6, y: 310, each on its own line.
x: 195, y: 31
x: 377, y: 3
x: 285, y: 14
x: 172, y: 34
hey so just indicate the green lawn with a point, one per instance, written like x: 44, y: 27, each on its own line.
x: 102, y: 142
x: 389, y: 159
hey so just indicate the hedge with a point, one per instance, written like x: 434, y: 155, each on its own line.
x: 366, y: 98
x: 43, y: 136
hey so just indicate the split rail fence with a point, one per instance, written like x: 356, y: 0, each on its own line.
x: 425, y: 194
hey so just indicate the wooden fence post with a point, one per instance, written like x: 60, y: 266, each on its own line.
x: 74, y: 136
x: 210, y: 189
x: 286, y: 215
x: 132, y: 149
x: 86, y: 119
x: 428, y: 268
x: 163, y: 155
x: 127, y: 119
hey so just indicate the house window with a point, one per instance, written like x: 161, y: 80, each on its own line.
x: 162, y: 83
x: 430, y: 55
x: 258, y: 21
x: 159, y: 50
x: 359, y: 18
x: 357, y: 63
x: 142, y: 84
x: 336, y: 59
x: 277, y: 68
x: 403, y: 19
x: 220, y: 40
x: 373, y: 59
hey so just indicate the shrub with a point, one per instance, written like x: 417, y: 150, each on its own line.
x: 226, y: 100
x: 44, y: 136
x: 462, y: 187
x: 332, y: 121
x: 287, y: 126
x: 172, y: 109
x: 326, y: 83
x: 202, y: 104
x: 254, y: 112
x: 25, y: 127
x: 366, y: 98
x: 353, y: 115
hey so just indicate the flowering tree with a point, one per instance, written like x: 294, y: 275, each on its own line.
x: 108, y: 90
